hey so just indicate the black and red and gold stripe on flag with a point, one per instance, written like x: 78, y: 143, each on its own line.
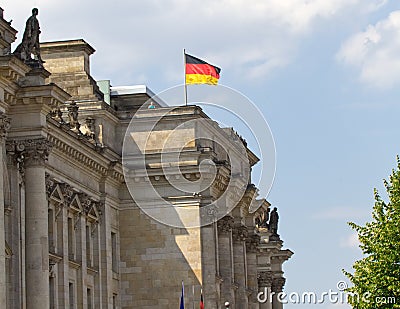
x: 200, y: 72
x: 201, y: 301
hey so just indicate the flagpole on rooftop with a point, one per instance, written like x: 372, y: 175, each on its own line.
x: 185, y: 87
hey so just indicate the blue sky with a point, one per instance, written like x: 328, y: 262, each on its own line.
x: 324, y: 73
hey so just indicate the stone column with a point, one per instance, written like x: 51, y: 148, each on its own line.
x: 36, y: 152
x: 277, y: 287
x: 240, y: 267
x: 252, y: 282
x: 265, y: 287
x: 4, y: 127
x: 225, y: 259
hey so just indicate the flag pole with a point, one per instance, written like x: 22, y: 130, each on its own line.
x: 193, y: 294
x: 185, y: 86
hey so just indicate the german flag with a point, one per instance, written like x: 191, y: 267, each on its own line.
x: 200, y: 72
x: 201, y: 302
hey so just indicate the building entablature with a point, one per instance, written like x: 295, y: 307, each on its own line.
x: 81, y: 152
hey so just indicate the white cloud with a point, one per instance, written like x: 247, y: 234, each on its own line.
x: 351, y: 241
x: 251, y: 39
x: 376, y: 52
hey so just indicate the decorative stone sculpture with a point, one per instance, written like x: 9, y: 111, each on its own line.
x: 87, y: 128
x: 273, y: 222
x: 57, y: 115
x: 265, y: 218
x: 73, y: 117
x: 30, y: 41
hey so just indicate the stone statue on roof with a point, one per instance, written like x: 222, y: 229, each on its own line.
x: 273, y: 222
x: 30, y: 41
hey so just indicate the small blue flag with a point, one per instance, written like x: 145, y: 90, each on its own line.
x: 182, y: 299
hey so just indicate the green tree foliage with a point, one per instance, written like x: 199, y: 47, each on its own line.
x: 376, y: 278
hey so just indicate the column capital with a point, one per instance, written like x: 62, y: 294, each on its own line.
x: 32, y: 151
x: 277, y: 284
x: 265, y: 278
x: 240, y: 233
x: 252, y: 243
x: 225, y: 224
x: 5, y: 124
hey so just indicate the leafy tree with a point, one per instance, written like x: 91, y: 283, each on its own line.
x: 376, y: 278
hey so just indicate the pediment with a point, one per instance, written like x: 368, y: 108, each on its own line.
x: 76, y: 204
x: 57, y: 195
x: 93, y: 213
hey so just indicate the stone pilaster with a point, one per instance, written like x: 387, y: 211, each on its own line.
x: 35, y: 153
x: 265, y: 286
x: 252, y: 282
x: 4, y: 127
x: 240, y: 265
x: 209, y: 269
x: 277, y: 287
x: 225, y: 259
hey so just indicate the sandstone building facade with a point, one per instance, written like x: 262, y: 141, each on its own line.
x: 72, y: 235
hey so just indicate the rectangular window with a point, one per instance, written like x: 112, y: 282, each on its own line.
x: 51, y: 230
x: 114, y: 252
x: 89, y: 299
x: 114, y: 301
x: 71, y: 239
x: 71, y: 296
x: 88, y: 246
x: 52, y: 291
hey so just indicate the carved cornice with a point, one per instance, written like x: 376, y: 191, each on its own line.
x: 77, y: 155
x: 225, y: 225
x: 11, y: 68
x: 5, y: 124
x: 9, y: 98
x: 264, y: 278
x: 278, y: 284
x: 111, y: 169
